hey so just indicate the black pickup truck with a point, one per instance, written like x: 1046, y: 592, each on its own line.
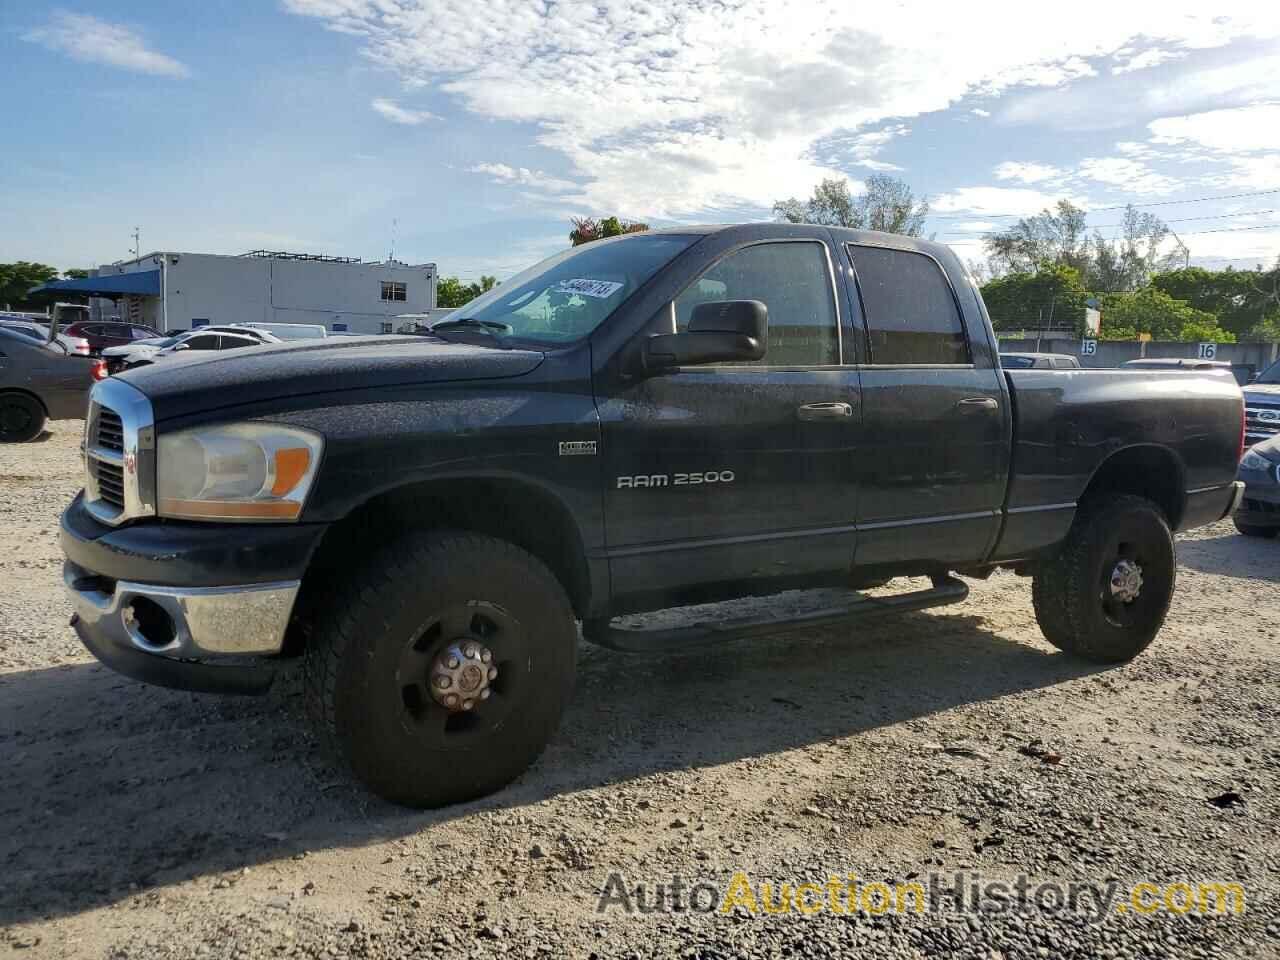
x: 639, y: 423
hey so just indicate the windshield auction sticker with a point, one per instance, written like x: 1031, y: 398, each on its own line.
x: 599, y: 289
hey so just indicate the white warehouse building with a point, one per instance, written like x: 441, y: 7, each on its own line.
x: 179, y: 291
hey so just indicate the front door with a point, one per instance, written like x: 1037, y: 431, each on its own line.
x: 728, y: 473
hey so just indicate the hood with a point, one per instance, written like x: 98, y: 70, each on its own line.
x: 182, y: 384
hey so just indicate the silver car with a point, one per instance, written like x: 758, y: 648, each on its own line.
x: 40, y: 381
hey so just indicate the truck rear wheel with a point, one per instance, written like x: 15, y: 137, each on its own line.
x: 441, y: 672
x: 1105, y: 595
x: 22, y: 418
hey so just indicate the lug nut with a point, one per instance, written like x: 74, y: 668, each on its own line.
x: 453, y: 663
x: 442, y: 682
x: 486, y: 656
x: 451, y: 700
x: 468, y: 704
x: 484, y: 694
x: 493, y: 673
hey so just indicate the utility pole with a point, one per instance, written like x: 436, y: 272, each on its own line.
x: 137, y: 244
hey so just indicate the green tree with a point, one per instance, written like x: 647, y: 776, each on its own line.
x: 586, y: 229
x: 452, y: 292
x: 17, y: 279
x: 75, y: 273
x: 886, y: 203
x: 1198, y: 331
x: 1127, y: 315
x: 1054, y: 293
x: 1128, y: 263
x: 1055, y: 236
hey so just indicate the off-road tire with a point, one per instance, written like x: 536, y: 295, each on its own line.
x: 1250, y: 530
x: 401, y: 598
x: 1071, y: 590
x: 22, y: 418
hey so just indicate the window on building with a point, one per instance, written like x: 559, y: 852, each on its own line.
x: 792, y: 280
x: 388, y: 328
x: 199, y: 322
x: 394, y: 291
x: 911, y: 312
x: 339, y: 328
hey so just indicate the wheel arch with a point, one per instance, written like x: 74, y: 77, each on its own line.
x: 511, y: 509
x: 1146, y: 470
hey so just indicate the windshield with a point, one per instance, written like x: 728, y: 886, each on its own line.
x: 568, y: 295
x: 1270, y: 375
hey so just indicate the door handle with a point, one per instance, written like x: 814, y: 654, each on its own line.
x: 977, y: 404
x: 825, y: 411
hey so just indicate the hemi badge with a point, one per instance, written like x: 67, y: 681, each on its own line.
x: 577, y: 448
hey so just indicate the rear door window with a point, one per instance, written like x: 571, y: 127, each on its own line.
x: 911, y: 312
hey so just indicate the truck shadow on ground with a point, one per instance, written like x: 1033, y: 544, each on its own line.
x: 110, y: 787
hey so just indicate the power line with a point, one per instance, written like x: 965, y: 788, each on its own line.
x: 1189, y: 233
x: 1104, y: 226
x: 1122, y: 206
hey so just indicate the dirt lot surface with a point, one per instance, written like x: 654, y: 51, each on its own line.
x: 139, y: 822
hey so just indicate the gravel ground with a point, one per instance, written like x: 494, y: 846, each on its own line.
x: 141, y: 822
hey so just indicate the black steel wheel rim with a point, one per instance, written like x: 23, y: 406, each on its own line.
x: 500, y: 632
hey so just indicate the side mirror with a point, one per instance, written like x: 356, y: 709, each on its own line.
x: 181, y: 346
x: 721, y: 331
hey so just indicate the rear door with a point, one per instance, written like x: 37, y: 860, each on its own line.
x: 934, y: 444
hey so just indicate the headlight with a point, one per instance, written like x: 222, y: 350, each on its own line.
x: 238, y: 471
x: 1255, y: 461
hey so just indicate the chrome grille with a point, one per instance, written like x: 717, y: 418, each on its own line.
x: 1260, y: 418
x: 109, y: 434
x: 119, y: 454
x: 110, y: 479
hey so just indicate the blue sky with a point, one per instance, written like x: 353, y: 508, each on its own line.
x: 467, y: 133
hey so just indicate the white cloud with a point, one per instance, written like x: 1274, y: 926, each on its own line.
x: 86, y: 38
x: 503, y: 173
x: 672, y: 109
x: 1027, y: 172
x: 979, y: 112
x: 999, y: 201
x: 1243, y: 129
x: 1147, y: 58
x: 398, y: 114
x: 1132, y: 175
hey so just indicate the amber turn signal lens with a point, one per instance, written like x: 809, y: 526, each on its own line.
x: 291, y: 466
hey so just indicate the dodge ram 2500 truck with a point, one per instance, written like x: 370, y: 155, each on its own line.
x: 645, y: 422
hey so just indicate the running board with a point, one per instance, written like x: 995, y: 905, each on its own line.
x: 945, y: 589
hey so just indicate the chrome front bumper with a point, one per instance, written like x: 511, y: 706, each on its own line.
x: 174, y: 636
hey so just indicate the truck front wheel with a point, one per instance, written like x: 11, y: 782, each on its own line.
x: 441, y: 672
x: 1105, y: 594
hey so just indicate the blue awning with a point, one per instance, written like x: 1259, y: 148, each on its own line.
x: 145, y: 283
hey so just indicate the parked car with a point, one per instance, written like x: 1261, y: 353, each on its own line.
x: 289, y: 331
x: 1177, y: 363
x: 38, y: 331
x: 636, y: 423
x: 1262, y: 405
x: 110, y: 333
x: 1259, y: 511
x: 1039, y: 361
x: 40, y: 381
x: 142, y: 352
